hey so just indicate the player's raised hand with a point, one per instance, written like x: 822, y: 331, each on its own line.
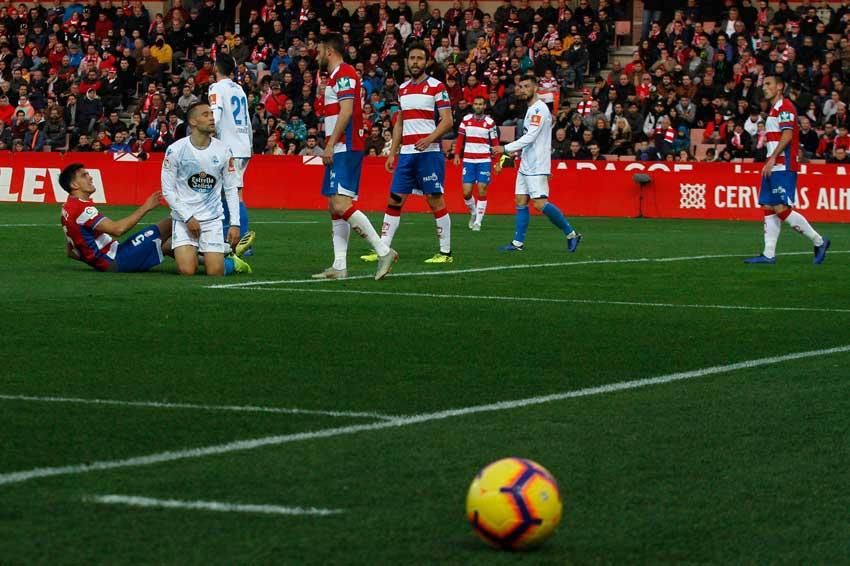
x: 389, y: 165
x: 233, y: 236
x: 328, y: 155
x: 152, y: 201
x: 498, y: 149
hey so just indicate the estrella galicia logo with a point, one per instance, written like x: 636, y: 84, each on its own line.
x: 202, y: 182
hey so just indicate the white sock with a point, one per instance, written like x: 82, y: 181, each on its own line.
x: 772, y: 226
x: 361, y: 225
x: 482, y: 208
x: 444, y: 230
x: 391, y: 222
x: 799, y: 223
x: 341, y: 231
x: 470, y: 204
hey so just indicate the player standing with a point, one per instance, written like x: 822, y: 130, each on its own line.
x: 89, y: 234
x: 779, y: 176
x: 233, y: 126
x: 195, y: 171
x: 535, y: 166
x: 343, y: 158
x: 476, y: 135
x: 421, y: 166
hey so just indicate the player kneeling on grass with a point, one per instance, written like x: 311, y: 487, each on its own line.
x: 194, y: 172
x: 90, y: 234
x: 535, y: 166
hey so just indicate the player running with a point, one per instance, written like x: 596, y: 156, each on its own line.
x: 421, y: 166
x: 476, y: 135
x: 343, y: 158
x: 233, y: 126
x: 535, y: 166
x: 194, y: 172
x: 779, y: 176
x: 89, y: 234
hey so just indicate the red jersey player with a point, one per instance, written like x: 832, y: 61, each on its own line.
x: 90, y: 235
x: 343, y: 158
x: 779, y: 176
x: 476, y: 135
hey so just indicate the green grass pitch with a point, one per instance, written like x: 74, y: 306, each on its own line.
x: 744, y: 466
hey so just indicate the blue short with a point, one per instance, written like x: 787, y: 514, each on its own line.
x: 140, y: 252
x: 476, y: 173
x: 343, y: 176
x: 419, y: 173
x: 779, y: 188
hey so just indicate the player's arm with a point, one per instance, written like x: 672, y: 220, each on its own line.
x: 168, y: 181
x: 217, y: 107
x: 346, y: 110
x: 396, y: 144
x: 527, y: 139
x: 117, y: 228
x: 459, y: 143
x: 231, y: 197
x: 444, y: 127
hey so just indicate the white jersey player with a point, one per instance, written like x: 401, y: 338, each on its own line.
x: 195, y: 171
x: 233, y: 126
x: 532, y: 180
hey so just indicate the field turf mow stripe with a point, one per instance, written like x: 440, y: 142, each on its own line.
x: 241, y: 445
x: 503, y: 268
x: 543, y: 300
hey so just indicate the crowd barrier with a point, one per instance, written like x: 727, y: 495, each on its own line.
x: 617, y: 189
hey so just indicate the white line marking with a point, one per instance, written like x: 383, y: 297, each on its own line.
x: 544, y: 300
x: 241, y: 445
x: 500, y: 268
x: 136, y: 501
x: 165, y: 405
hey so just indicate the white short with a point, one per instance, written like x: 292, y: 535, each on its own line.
x: 535, y: 186
x: 211, y: 240
x: 240, y: 164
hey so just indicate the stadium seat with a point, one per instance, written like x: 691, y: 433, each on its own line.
x: 696, y: 136
x: 708, y: 27
x: 748, y: 160
x: 610, y: 157
x: 817, y: 161
x: 507, y: 134
x: 627, y: 158
x: 622, y: 29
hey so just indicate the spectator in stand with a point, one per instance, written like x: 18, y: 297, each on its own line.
x: 839, y: 156
x: 7, y: 111
x: 90, y: 111
x: 54, y: 129
x: 34, y: 139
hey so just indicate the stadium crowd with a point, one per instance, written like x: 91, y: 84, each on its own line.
x: 107, y: 76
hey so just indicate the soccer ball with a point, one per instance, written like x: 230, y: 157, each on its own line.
x: 514, y: 504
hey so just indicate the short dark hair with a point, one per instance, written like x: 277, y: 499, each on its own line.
x: 225, y: 63
x: 529, y: 77
x: 421, y: 47
x: 192, y: 108
x: 777, y: 78
x: 334, y: 41
x: 67, y: 175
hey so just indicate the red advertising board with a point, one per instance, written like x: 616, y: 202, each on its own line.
x: 601, y: 188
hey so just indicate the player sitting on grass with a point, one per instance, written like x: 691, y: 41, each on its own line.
x: 90, y: 235
x: 194, y: 172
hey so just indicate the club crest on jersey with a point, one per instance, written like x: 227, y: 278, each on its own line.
x: 216, y: 160
x: 201, y: 182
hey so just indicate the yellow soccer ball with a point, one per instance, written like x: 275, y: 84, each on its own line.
x: 514, y: 504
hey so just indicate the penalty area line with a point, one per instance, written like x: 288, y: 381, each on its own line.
x: 193, y: 406
x: 221, y: 507
x: 278, y: 440
x: 499, y: 268
x: 542, y: 300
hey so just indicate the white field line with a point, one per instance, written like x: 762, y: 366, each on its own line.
x: 166, y: 405
x: 242, y: 445
x: 543, y: 300
x: 500, y: 268
x: 136, y: 501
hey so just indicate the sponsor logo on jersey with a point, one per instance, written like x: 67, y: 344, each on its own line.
x: 201, y: 182
x: 536, y: 119
x: 230, y: 165
x: 344, y: 83
x: 213, y: 98
x: 431, y: 177
x: 785, y: 116
x: 91, y: 211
